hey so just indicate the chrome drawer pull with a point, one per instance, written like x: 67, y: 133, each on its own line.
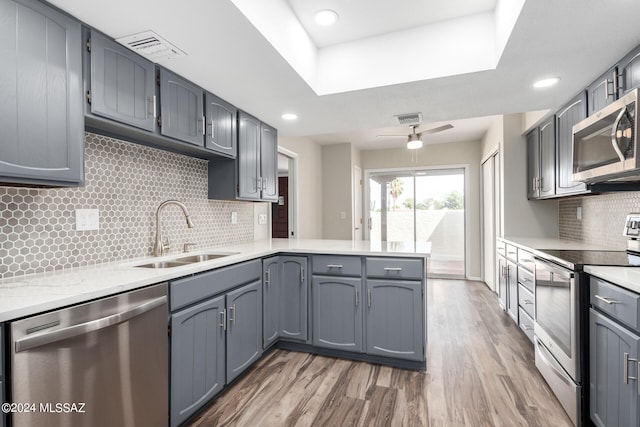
x: 334, y: 266
x: 528, y: 301
x: 393, y: 269
x: 607, y: 300
x: 526, y: 327
x: 625, y: 370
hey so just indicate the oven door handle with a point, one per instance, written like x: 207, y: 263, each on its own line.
x: 30, y: 342
x: 555, y: 269
x: 549, y: 361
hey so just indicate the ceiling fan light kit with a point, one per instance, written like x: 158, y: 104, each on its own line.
x: 414, y: 142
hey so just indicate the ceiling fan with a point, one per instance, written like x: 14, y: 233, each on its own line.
x: 414, y: 139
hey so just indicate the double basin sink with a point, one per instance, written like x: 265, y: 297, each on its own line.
x: 184, y: 260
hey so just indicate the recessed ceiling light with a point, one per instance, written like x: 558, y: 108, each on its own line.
x: 289, y: 116
x: 326, y: 17
x: 546, y: 82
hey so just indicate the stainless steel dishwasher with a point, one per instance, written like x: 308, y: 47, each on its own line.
x: 102, y: 363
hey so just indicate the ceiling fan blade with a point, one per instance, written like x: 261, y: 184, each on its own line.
x: 391, y: 136
x: 435, y: 130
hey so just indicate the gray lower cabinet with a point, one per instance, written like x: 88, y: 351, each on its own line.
x: 122, y: 84
x: 41, y: 114
x: 294, y: 297
x: 337, y: 313
x: 244, y: 328
x: 221, y: 133
x: 181, y: 109
x: 394, y: 319
x: 566, y: 118
x: 512, y: 292
x: 271, y: 307
x: 502, y: 282
x: 197, y: 357
x: 614, y: 397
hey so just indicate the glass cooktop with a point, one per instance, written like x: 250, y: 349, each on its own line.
x: 583, y: 257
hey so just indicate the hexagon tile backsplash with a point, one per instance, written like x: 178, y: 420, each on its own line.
x: 126, y: 182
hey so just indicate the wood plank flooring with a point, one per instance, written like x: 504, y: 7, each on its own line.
x: 480, y: 372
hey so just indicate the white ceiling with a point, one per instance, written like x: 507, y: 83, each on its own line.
x: 574, y: 39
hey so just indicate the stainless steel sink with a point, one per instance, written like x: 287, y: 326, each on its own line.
x: 183, y: 260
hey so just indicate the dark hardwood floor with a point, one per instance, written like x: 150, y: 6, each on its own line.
x: 480, y: 372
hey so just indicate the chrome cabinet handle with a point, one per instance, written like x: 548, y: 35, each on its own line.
x: 526, y: 328
x: 301, y: 275
x: 223, y: 314
x: 213, y: 130
x: 232, y: 319
x: 267, y: 277
x: 259, y: 183
x: 606, y: 84
x: 357, y: 297
x: 330, y: 266
x: 606, y: 300
x: 204, y: 124
x: 369, y: 297
x: 625, y: 369
x: 38, y: 340
x: 527, y: 301
x: 392, y: 268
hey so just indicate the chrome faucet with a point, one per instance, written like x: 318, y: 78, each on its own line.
x: 159, y: 248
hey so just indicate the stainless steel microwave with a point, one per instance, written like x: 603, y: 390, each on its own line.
x: 605, y: 146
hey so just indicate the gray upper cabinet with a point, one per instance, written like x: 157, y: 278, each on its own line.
x: 41, y: 115
x: 197, y: 357
x: 603, y: 91
x: 293, y: 312
x: 249, y: 179
x: 614, y: 399
x: 181, y: 109
x: 629, y: 69
x: 394, y: 319
x: 122, y: 84
x: 547, y: 183
x: 533, y: 164
x: 271, y: 307
x: 221, y: 134
x: 244, y: 328
x: 566, y: 118
x: 337, y: 313
x: 269, y: 162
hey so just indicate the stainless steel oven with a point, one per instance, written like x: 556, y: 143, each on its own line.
x: 558, y: 334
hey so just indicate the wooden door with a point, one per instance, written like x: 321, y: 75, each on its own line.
x: 280, y: 211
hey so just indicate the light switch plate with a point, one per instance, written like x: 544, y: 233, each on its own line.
x: 262, y: 219
x: 87, y: 219
x: 579, y: 212
x: 234, y: 217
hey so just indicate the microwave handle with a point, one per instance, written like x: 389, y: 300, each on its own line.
x: 614, y: 136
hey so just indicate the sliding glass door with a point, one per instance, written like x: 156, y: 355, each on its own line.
x: 424, y: 205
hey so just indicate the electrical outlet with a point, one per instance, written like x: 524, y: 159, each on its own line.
x: 234, y: 217
x: 262, y: 219
x: 579, y: 212
x: 87, y: 219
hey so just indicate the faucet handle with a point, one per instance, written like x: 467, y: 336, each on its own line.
x: 186, y: 246
x: 165, y: 245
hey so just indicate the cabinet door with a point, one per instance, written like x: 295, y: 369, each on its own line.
x: 602, y: 92
x: 244, y: 328
x: 394, y: 319
x: 249, y: 182
x: 533, y: 164
x: 122, y: 84
x: 271, y: 306
x: 567, y: 117
x: 512, y: 292
x: 41, y: 116
x: 181, y: 109
x: 614, y: 400
x: 197, y: 357
x: 269, y: 162
x: 629, y: 68
x: 502, y: 282
x: 221, y: 135
x: 293, y: 312
x: 547, y: 181
x: 337, y: 313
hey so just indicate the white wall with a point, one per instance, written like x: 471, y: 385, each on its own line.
x: 309, y: 185
x: 337, y: 202
x: 461, y: 153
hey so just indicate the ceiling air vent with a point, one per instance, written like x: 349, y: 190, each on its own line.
x: 408, y: 119
x: 151, y: 46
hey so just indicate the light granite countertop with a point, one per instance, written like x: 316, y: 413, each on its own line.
x: 541, y: 243
x: 27, y: 295
x: 626, y: 277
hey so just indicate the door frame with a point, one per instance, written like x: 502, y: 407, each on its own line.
x: 293, y: 193
x: 493, y: 153
x: 467, y: 213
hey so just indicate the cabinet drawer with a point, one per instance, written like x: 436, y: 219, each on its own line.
x: 395, y: 268
x: 189, y: 290
x: 526, y: 324
x: 337, y: 265
x: 512, y: 253
x: 622, y: 305
x: 526, y: 300
x: 525, y: 278
x: 525, y: 259
x: 501, y: 247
